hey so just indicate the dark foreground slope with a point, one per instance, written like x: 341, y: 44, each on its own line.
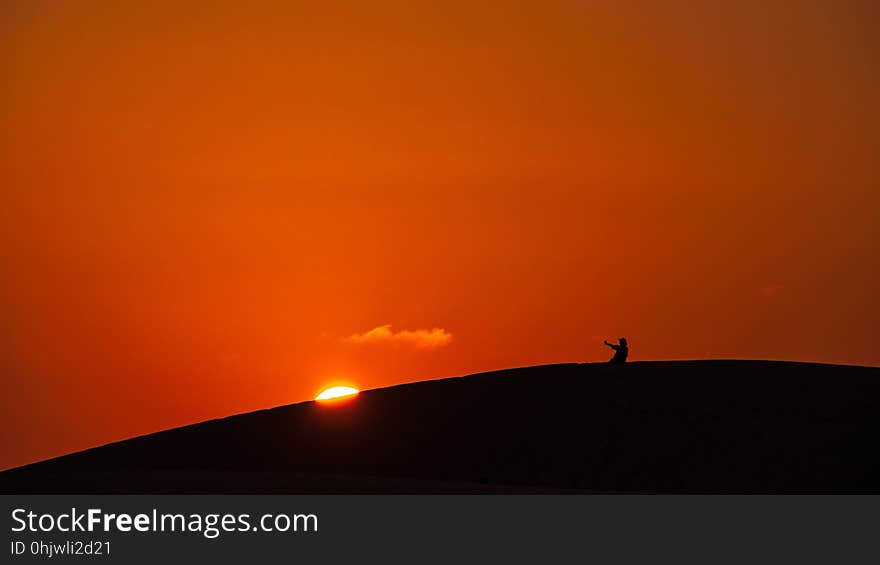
x: 702, y: 426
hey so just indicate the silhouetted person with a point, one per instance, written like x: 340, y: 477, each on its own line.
x: 621, y: 351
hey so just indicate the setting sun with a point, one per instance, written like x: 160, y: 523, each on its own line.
x: 336, y: 392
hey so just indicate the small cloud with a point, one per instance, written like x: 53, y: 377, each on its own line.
x: 435, y: 337
x: 771, y: 290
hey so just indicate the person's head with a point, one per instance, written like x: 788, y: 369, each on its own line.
x: 623, y: 341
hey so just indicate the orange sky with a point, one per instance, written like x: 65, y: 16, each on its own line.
x: 205, y: 203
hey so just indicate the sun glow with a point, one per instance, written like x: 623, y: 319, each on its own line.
x: 336, y: 392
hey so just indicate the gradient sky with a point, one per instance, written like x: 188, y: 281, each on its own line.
x: 214, y: 207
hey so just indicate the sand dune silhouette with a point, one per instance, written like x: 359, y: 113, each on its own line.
x: 645, y: 427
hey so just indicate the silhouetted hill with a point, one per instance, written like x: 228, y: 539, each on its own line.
x: 697, y: 426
